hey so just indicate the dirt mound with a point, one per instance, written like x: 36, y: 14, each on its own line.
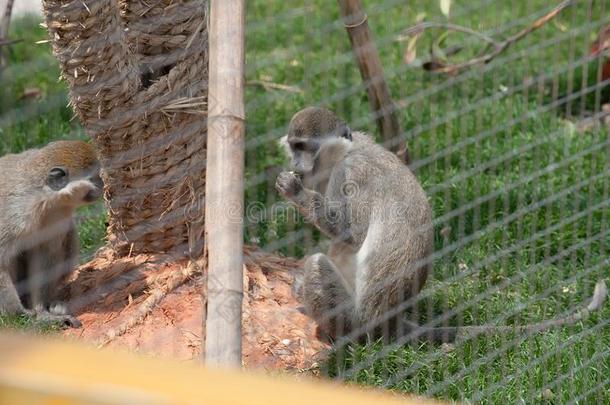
x: 167, y: 321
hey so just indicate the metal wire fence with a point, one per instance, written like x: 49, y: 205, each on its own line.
x: 513, y: 155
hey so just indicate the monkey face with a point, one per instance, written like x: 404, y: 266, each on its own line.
x: 302, y: 153
x: 72, y: 176
x: 309, y: 130
x: 74, y: 189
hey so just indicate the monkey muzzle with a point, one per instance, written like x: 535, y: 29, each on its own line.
x: 93, y: 195
x: 96, y: 192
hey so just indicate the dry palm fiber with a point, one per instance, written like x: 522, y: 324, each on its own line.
x: 137, y: 73
x: 131, y: 67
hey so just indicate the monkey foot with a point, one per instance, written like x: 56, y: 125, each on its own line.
x: 62, y: 320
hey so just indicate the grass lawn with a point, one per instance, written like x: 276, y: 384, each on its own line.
x: 521, y: 193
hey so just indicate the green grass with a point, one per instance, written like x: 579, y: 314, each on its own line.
x: 538, y: 237
x: 559, y: 246
x: 23, y: 322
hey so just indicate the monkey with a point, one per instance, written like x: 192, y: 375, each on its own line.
x: 379, y: 222
x: 40, y: 189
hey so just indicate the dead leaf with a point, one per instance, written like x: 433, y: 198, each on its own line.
x: 437, y: 51
x: 411, y: 50
x: 447, y: 347
x: 445, y: 7
x: 547, y: 394
x: 560, y: 26
x: 30, y: 93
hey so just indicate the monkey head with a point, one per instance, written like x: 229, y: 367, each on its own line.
x: 308, y: 132
x: 67, y: 174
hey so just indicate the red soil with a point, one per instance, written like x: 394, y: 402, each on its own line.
x: 276, y: 335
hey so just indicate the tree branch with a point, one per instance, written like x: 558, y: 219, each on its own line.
x: 498, y: 47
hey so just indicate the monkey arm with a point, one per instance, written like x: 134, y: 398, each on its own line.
x: 10, y: 303
x: 67, y: 260
x: 329, y: 216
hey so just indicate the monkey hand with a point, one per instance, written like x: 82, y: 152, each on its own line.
x: 288, y: 184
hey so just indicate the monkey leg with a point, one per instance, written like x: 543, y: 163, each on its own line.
x: 325, y: 298
x: 54, y: 316
x: 10, y: 303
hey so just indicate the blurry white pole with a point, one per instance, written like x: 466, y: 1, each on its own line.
x: 224, y: 209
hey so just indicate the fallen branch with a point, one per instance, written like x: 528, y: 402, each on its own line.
x: 6, y: 42
x: 498, y: 46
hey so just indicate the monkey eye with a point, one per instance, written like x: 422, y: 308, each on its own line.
x: 299, y: 146
x: 58, y: 178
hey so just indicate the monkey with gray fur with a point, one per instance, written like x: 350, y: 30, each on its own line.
x: 379, y: 221
x: 40, y: 189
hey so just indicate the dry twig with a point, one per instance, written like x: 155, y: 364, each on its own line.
x: 268, y: 85
x: 497, y: 46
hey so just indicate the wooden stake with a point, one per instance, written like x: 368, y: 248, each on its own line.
x: 371, y: 70
x: 225, y: 183
x: 4, y: 26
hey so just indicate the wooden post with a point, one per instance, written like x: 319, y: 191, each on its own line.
x: 5, y: 22
x: 224, y: 207
x: 371, y: 70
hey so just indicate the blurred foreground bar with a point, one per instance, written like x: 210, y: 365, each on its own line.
x: 46, y: 371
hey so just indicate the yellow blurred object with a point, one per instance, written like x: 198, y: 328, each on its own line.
x: 45, y: 371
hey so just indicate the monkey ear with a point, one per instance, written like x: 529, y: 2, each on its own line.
x: 57, y: 178
x: 345, y: 132
x: 283, y: 143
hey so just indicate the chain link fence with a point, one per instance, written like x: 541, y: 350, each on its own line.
x: 508, y: 135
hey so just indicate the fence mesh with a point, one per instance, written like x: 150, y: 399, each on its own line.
x: 513, y: 155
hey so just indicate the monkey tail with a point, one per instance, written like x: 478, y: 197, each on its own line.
x: 443, y: 334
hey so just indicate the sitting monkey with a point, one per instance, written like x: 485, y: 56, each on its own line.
x: 379, y: 221
x: 40, y: 189
x: 374, y: 211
